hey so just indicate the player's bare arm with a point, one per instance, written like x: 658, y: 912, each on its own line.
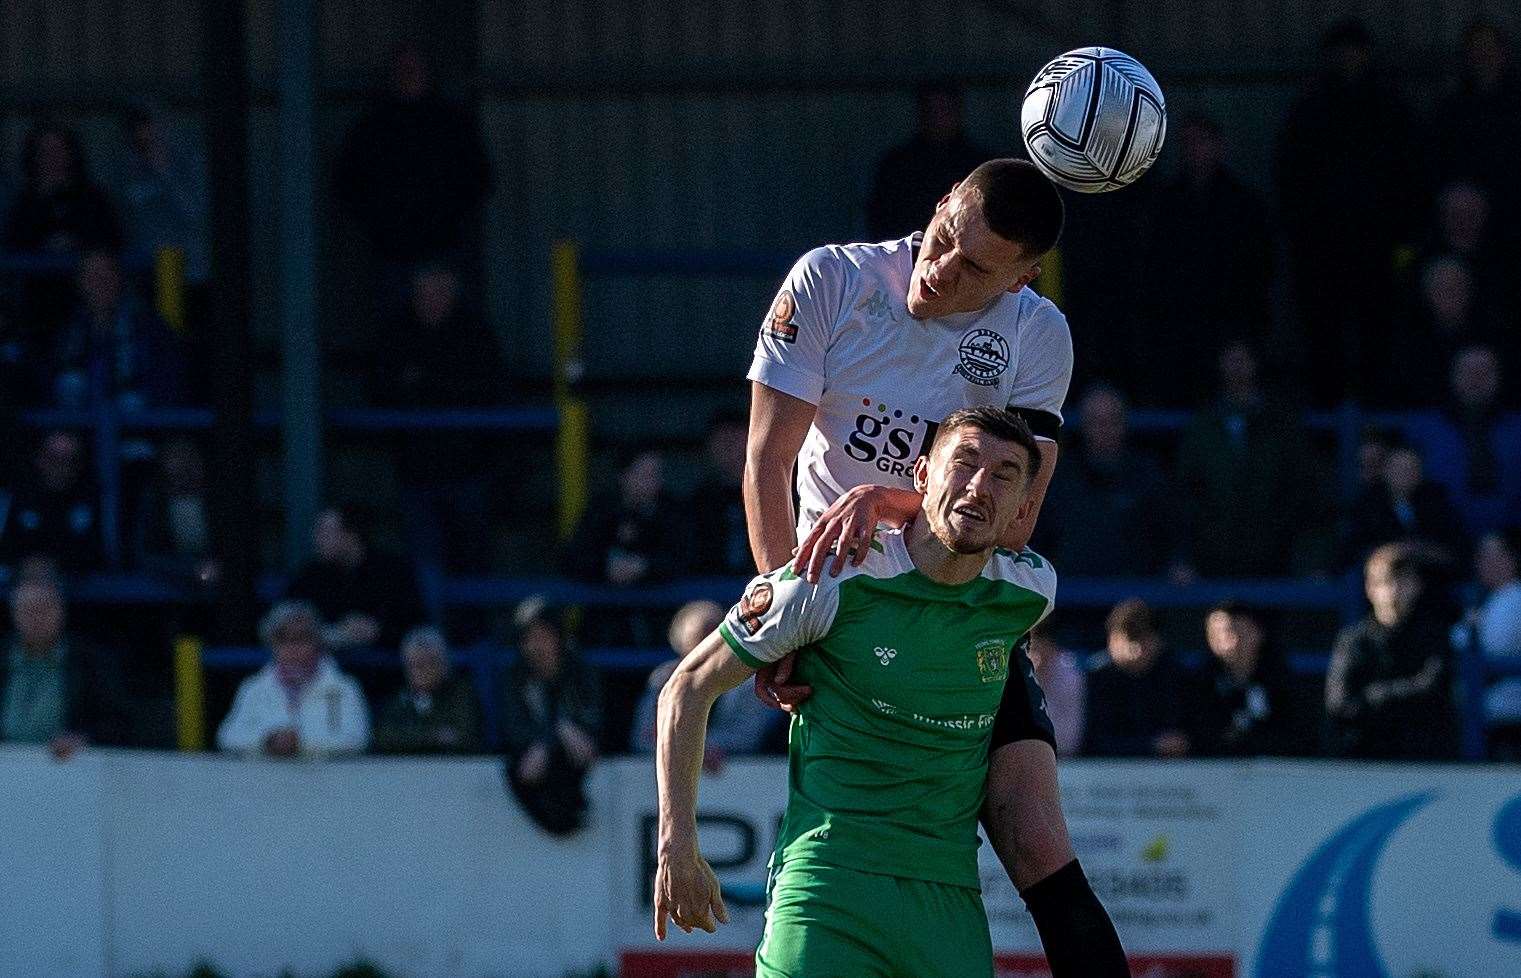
x: 685, y: 888
x: 778, y: 424
x: 1023, y: 812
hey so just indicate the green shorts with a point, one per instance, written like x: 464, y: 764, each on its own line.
x: 827, y: 922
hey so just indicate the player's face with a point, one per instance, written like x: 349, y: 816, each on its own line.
x: 974, y: 486
x: 963, y: 265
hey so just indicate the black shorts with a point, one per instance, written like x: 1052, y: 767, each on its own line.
x: 1022, y: 714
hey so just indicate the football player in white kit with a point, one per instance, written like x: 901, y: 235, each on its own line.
x: 866, y: 348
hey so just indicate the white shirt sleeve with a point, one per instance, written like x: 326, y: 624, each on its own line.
x: 247, y: 723
x: 779, y: 613
x: 794, y: 337
x: 1044, y: 371
x: 345, y: 724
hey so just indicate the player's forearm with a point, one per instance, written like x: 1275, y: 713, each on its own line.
x: 768, y: 511
x: 681, y: 722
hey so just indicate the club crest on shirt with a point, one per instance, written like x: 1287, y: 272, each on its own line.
x: 754, y: 605
x: 992, y: 660
x: 984, y: 357
x: 779, y: 323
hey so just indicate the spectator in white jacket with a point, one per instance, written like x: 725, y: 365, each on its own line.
x: 300, y: 704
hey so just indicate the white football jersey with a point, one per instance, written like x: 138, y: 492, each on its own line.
x: 840, y: 337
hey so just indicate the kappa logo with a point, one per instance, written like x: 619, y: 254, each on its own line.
x: 779, y: 323
x: 885, y: 656
x: 876, y: 306
x: 984, y: 357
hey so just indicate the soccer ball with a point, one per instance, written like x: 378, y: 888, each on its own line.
x: 1093, y: 120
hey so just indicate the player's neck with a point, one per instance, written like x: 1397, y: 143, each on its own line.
x: 935, y: 560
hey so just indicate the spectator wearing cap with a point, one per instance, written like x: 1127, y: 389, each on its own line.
x: 1473, y: 445
x: 300, y: 704
x: 1246, y: 702
x: 1388, y: 685
x: 1135, y: 691
x: 1493, y: 629
x: 738, y: 723
x: 56, y: 689
x: 437, y: 712
x: 551, y: 718
x: 366, y: 598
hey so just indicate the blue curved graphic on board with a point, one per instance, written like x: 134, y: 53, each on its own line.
x: 1320, y: 924
x: 1507, y: 838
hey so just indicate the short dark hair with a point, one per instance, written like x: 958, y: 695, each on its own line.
x: 1132, y: 618
x: 998, y: 422
x: 1019, y: 203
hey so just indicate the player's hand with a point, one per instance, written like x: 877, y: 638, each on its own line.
x: 687, y: 891
x: 773, y: 689
x: 845, y: 529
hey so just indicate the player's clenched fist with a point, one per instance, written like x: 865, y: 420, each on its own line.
x: 687, y: 891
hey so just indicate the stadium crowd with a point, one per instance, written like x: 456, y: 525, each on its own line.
x: 1411, y: 310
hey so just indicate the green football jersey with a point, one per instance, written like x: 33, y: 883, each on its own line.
x: 888, y: 759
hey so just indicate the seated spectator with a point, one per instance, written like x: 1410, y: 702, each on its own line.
x: 551, y: 712
x: 1495, y: 625
x: 1135, y: 692
x: 59, y: 212
x: 1241, y: 479
x: 440, y: 356
x: 113, y: 348
x: 1107, y: 512
x: 738, y: 723
x: 636, y: 539
x: 55, y: 512
x: 1472, y: 446
x: 1388, y: 687
x: 1402, y: 505
x: 1246, y: 703
x: 54, y: 688
x: 1444, y: 316
x: 174, y: 536
x: 300, y: 704
x: 1065, y: 687
x: 366, y: 598
x: 717, y: 506
x: 913, y: 176
x: 437, y: 712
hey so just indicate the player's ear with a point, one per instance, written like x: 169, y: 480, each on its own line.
x: 1023, y: 513
x: 1029, y: 276
x: 921, y: 473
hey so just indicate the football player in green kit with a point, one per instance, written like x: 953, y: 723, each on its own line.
x: 875, y: 869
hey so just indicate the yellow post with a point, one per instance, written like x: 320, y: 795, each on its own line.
x: 572, y: 443
x: 169, y: 286
x: 1050, y: 282
x: 190, y: 693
